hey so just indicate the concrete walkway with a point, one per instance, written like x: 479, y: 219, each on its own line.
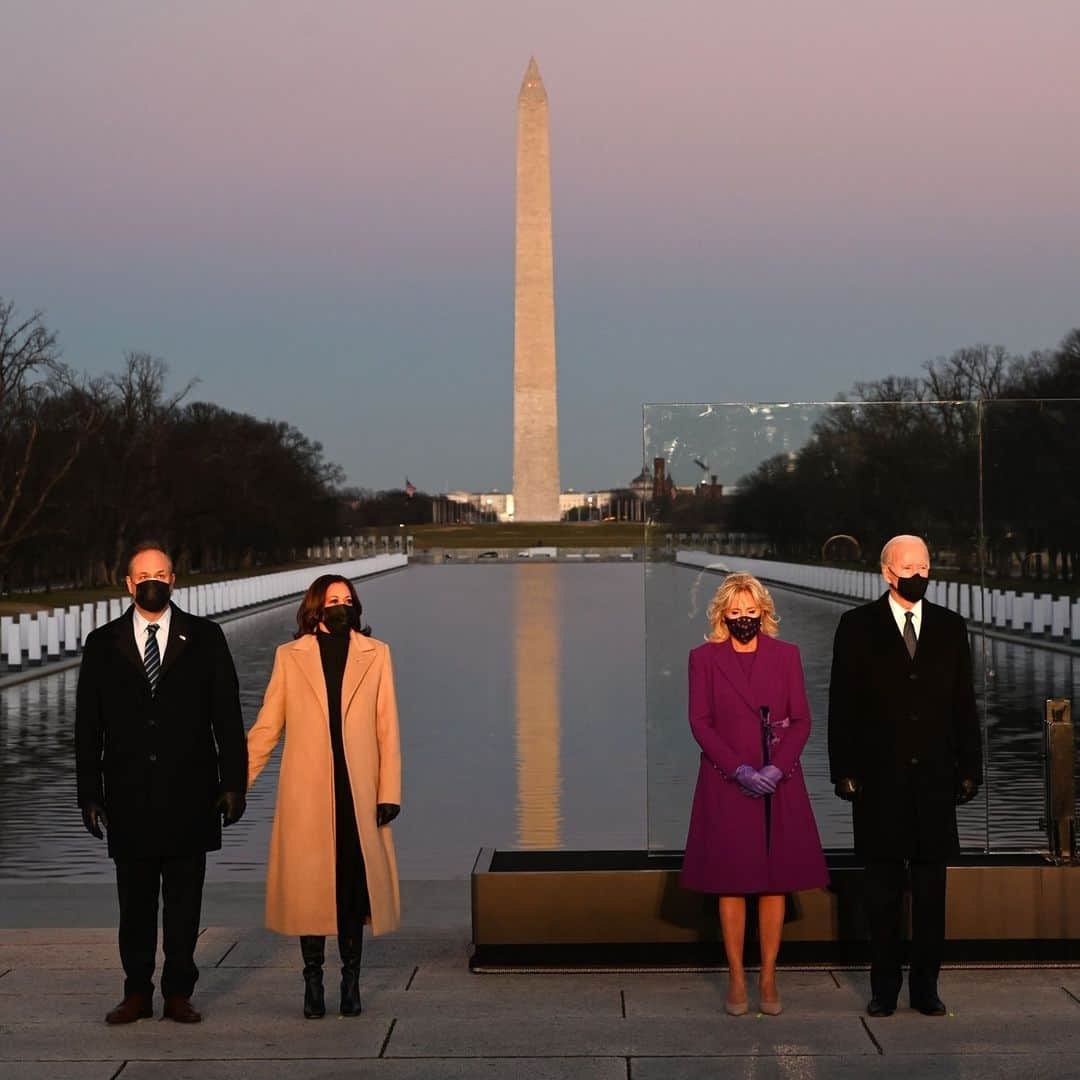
x: 425, y: 1015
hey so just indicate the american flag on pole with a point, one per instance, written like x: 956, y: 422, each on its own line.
x: 410, y: 488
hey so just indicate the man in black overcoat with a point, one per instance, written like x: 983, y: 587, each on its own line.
x: 905, y: 749
x: 161, y: 759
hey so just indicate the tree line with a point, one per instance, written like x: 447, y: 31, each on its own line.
x: 88, y: 466
x: 978, y: 454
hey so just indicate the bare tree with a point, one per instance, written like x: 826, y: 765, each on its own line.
x: 141, y: 418
x: 971, y: 373
x: 33, y: 381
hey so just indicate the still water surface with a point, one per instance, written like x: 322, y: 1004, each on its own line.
x: 1012, y: 682
x: 522, y: 694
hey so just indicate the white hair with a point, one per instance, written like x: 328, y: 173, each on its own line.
x: 903, y: 538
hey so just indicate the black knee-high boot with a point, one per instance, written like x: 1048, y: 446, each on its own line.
x: 350, y: 947
x: 313, y: 948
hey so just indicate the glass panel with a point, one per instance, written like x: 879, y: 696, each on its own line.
x: 803, y: 496
x: 1031, y: 511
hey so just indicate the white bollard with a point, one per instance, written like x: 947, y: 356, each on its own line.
x: 1001, y: 613
x: 86, y: 622
x: 52, y: 638
x: 1040, y: 613
x: 33, y: 642
x: 1021, y: 615
x: 7, y: 624
x: 13, y: 645
x: 71, y: 630
x: 1060, y: 618
x: 116, y: 608
x: 101, y: 613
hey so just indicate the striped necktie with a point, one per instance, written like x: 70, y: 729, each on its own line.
x: 152, y: 657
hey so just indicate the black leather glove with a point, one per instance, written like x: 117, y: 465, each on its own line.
x: 93, y: 817
x: 848, y: 789
x: 966, y: 790
x: 232, y: 805
x: 385, y: 812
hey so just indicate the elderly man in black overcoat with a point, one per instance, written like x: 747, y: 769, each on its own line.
x: 161, y: 760
x: 905, y: 749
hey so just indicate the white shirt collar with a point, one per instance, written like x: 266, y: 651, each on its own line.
x: 899, y: 612
x: 162, y: 622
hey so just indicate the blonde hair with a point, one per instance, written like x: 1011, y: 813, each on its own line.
x: 733, y: 585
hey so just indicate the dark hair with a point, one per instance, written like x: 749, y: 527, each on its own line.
x: 148, y: 545
x: 310, y: 612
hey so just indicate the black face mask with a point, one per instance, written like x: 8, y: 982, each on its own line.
x: 338, y: 618
x: 913, y: 588
x: 152, y: 595
x: 744, y: 629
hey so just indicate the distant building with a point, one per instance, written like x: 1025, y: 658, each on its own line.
x: 499, y: 505
x: 642, y: 485
x: 492, y: 505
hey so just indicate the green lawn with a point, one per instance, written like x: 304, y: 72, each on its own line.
x: 499, y: 535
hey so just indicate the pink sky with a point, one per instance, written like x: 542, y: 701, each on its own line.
x: 270, y: 186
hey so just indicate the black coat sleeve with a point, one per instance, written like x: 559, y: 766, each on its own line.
x: 965, y: 713
x: 226, y: 717
x: 843, y: 704
x: 89, y: 726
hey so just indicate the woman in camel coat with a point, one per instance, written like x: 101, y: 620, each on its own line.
x: 332, y: 867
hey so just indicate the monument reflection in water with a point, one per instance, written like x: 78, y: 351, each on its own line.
x: 537, y: 703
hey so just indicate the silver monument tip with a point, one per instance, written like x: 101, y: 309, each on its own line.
x: 532, y: 86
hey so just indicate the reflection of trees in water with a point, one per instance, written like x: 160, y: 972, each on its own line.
x: 37, y: 775
x: 1019, y: 680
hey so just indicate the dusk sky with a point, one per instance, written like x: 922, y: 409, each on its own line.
x: 310, y: 207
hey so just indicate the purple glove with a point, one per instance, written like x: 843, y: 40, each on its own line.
x: 771, y: 772
x: 753, y: 782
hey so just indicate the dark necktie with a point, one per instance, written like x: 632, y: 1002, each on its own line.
x: 152, y: 657
x: 910, y: 640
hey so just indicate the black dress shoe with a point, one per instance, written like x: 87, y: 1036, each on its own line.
x: 877, y: 1007
x: 929, y: 1005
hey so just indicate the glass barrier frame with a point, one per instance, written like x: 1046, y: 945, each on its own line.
x: 818, y: 486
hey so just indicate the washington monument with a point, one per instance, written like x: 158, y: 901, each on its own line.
x: 536, y: 421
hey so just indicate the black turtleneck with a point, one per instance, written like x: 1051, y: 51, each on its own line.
x: 352, y: 897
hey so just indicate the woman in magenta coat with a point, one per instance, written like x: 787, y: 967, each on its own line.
x: 752, y: 832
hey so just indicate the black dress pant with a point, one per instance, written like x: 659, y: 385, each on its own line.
x: 885, y: 882
x: 180, y: 884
